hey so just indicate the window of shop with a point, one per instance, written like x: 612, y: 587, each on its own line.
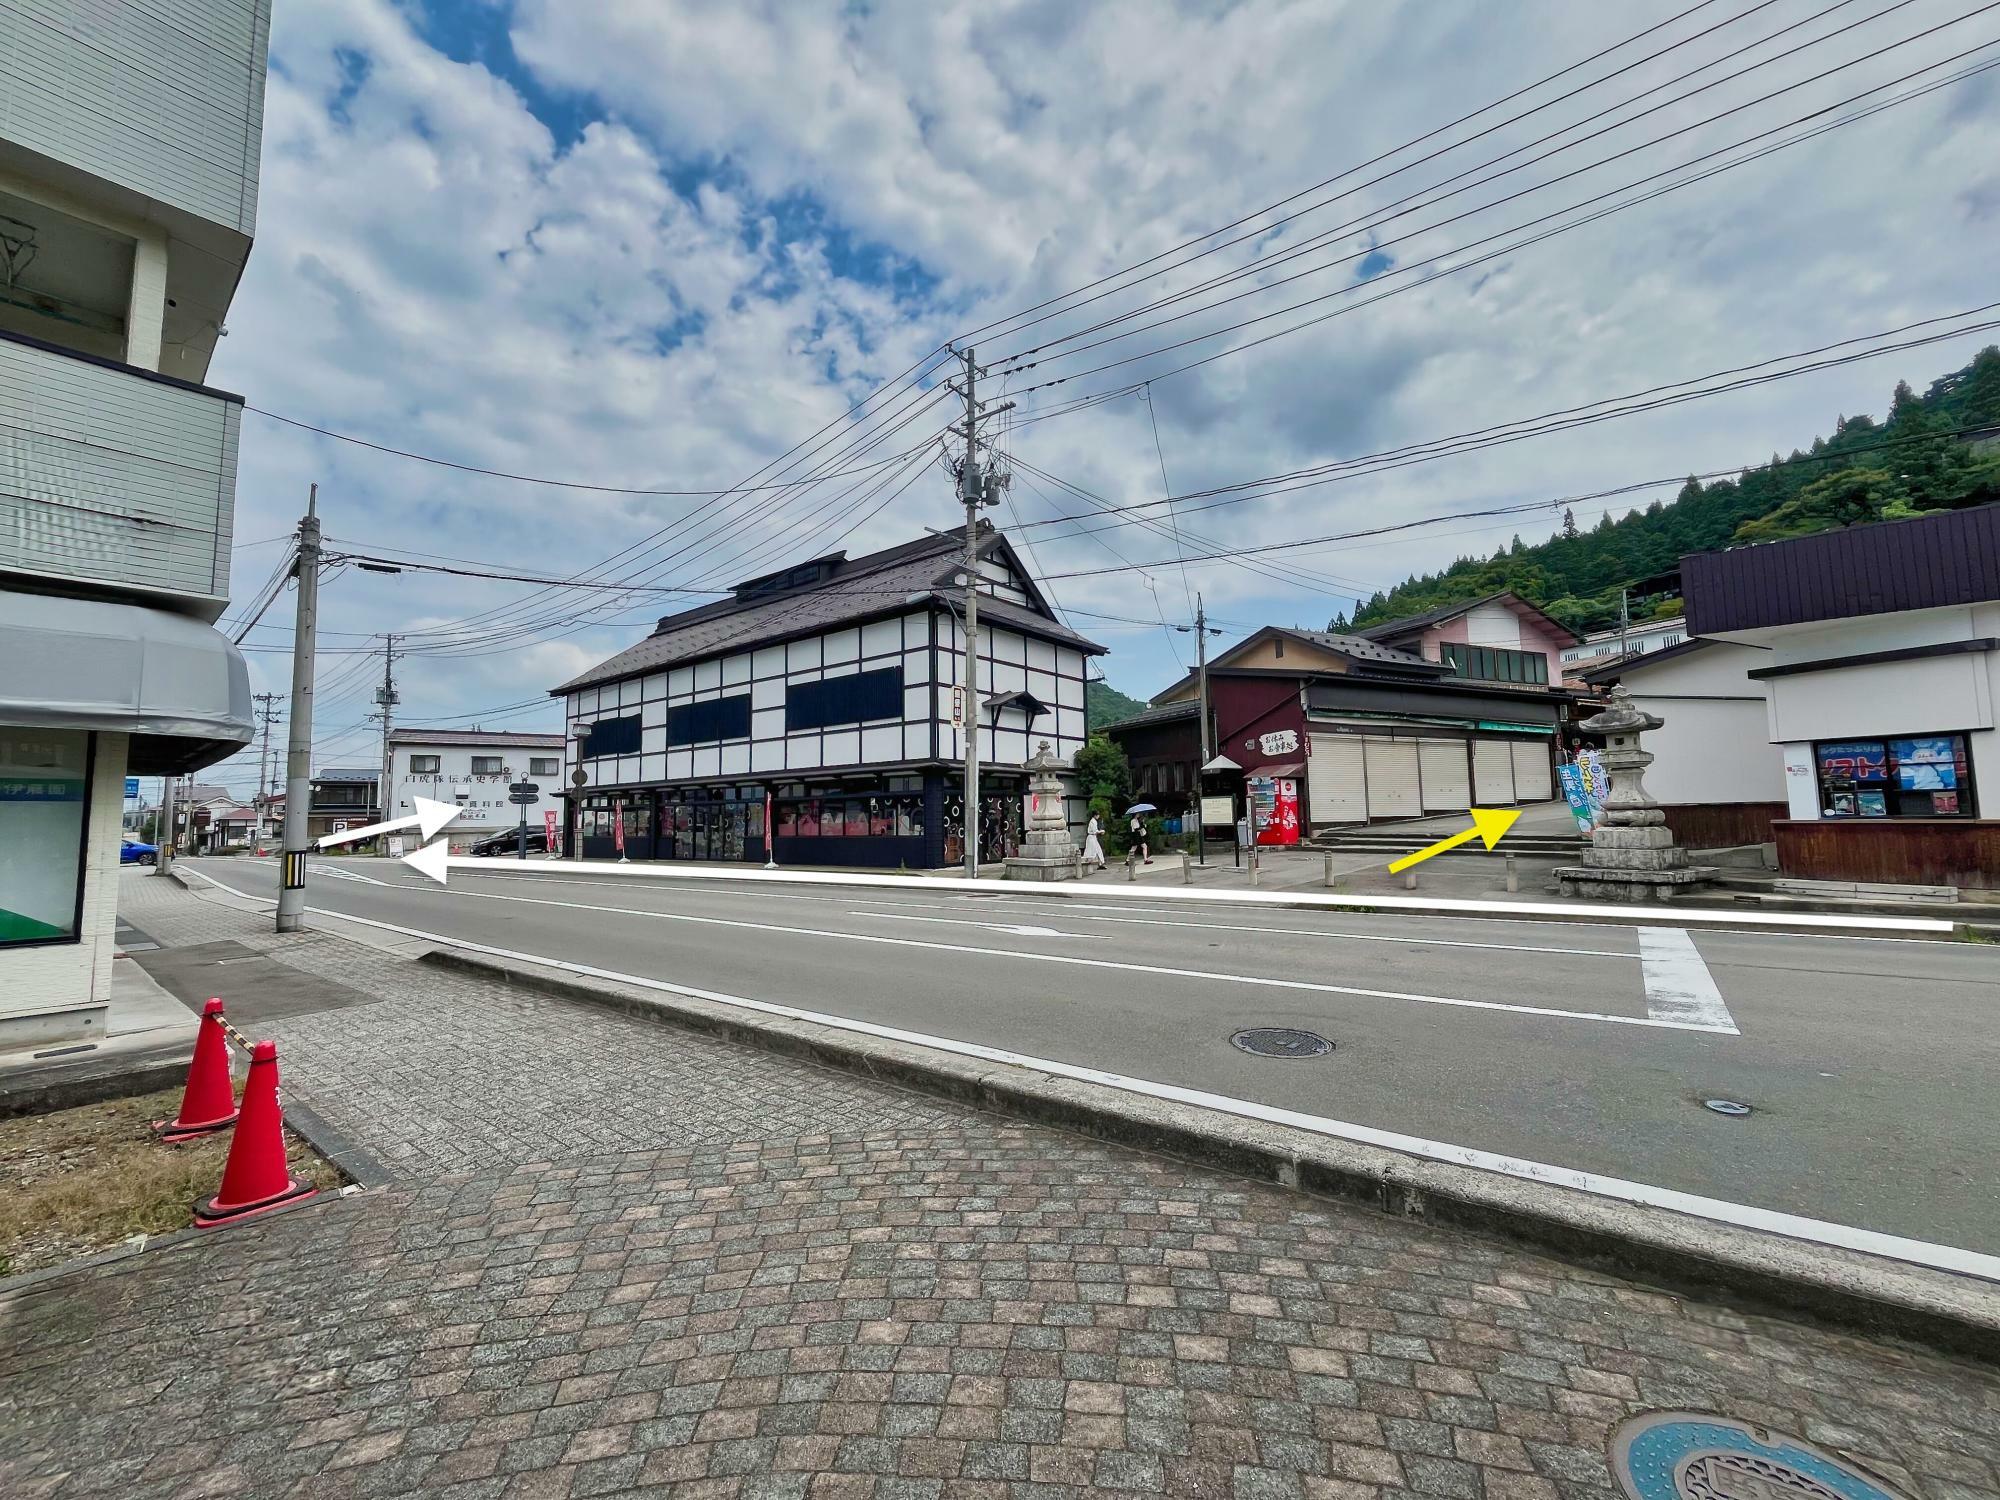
x: 1918, y: 776
x: 485, y: 765
x: 880, y: 815
x: 426, y: 765
x: 1494, y: 663
x: 44, y: 809
x: 544, y: 765
x: 611, y: 737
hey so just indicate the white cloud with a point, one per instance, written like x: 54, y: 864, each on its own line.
x: 775, y: 205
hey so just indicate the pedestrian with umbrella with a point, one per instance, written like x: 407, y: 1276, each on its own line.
x: 1138, y: 830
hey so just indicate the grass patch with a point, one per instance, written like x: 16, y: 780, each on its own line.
x: 81, y: 1180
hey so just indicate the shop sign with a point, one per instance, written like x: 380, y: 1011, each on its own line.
x: 1277, y: 742
x: 1218, y: 812
x: 555, y: 837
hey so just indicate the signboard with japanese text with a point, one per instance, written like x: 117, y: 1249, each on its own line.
x: 554, y: 833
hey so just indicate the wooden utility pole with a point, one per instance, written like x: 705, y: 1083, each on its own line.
x: 976, y: 487
x: 298, y: 749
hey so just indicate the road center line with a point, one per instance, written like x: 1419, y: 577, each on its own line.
x: 1260, y: 981
x: 1678, y: 985
x: 1743, y: 1215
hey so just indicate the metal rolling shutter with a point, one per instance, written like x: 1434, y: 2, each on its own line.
x: 1336, y: 781
x: 1531, y: 771
x: 1493, y: 773
x: 1392, y: 779
x: 1447, y: 775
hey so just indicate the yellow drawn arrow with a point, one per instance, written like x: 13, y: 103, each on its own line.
x: 1488, y: 823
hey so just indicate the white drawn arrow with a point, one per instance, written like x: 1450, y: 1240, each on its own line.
x: 427, y: 819
x: 1019, y: 929
x: 430, y: 859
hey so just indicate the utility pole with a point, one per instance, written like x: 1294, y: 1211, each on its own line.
x: 163, y: 828
x: 974, y: 490
x: 1201, y: 679
x: 386, y: 696
x: 1624, y: 618
x: 266, y: 712
x: 298, y: 750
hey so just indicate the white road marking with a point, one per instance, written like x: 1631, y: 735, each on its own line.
x: 335, y: 872
x: 1743, y: 1215
x: 1018, y: 929
x: 1260, y: 981
x: 1679, y: 987
x: 1634, y: 915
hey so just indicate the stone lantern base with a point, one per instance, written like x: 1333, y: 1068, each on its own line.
x: 1632, y: 856
x: 1583, y: 883
x: 1046, y: 852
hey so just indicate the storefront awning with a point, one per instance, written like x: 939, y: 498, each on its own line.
x: 1288, y: 771
x: 174, y: 684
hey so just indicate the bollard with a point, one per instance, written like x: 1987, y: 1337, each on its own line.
x: 1410, y: 880
x: 1329, y: 870
x: 1131, y: 864
x: 1513, y: 877
x: 1256, y: 867
x: 1187, y: 868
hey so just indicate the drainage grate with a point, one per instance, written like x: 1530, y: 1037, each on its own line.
x: 1281, y: 1041
x: 1679, y: 1455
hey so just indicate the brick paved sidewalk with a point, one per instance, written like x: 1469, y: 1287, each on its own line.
x: 913, y: 1300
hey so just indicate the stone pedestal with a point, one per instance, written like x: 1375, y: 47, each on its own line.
x: 1046, y: 852
x: 1632, y: 856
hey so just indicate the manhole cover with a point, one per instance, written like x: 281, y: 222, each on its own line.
x: 1726, y: 1107
x: 1282, y: 1041
x: 1678, y: 1455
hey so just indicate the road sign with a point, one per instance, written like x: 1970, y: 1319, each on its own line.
x: 131, y: 786
x: 523, y: 799
x: 525, y: 788
x: 340, y: 825
x: 579, y: 777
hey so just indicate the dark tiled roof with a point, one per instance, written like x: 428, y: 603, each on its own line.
x: 879, y: 583
x: 1390, y: 629
x: 1362, y: 648
x: 348, y: 773
x: 476, y: 737
x: 1159, y: 713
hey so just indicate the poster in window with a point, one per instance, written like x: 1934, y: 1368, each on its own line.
x: 1945, y: 803
x: 1926, y: 765
x: 1841, y: 805
x: 1872, y: 804
x: 1856, y: 760
x: 41, y: 832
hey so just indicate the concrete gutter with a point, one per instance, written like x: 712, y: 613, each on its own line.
x: 1759, y: 1271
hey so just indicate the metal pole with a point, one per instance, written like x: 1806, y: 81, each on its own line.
x: 298, y: 752
x: 524, y: 830
x: 1201, y: 674
x: 1624, y: 618
x: 386, y: 696
x: 163, y: 828
x: 968, y: 494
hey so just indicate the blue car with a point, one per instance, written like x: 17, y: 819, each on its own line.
x: 132, y: 852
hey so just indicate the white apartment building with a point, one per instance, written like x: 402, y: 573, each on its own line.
x: 473, y: 768
x: 1636, y: 639
x: 130, y: 132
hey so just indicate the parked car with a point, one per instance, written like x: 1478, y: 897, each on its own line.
x: 510, y: 842
x: 132, y: 852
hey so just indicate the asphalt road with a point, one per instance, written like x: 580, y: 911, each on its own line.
x: 1871, y: 1065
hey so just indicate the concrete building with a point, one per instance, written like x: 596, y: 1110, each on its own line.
x: 1435, y: 713
x: 473, y: 768
x: 1640, y: 638
x: 129, y: 143
x: 1881, y: 676
x: 814, y: 715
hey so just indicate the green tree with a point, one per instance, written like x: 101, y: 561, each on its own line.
x: 1105, y: 775
x: 1104, y: 705
x: 1844, y: 499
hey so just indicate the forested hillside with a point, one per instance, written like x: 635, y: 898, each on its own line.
x: 1103, y: 704
x: 1917, y: 459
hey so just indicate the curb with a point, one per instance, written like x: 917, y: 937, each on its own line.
x: 1756, y: 1271
x: 43, y: 1095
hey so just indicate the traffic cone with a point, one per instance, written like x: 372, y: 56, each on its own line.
x: 208, y: 1104
x: 255, y: 1177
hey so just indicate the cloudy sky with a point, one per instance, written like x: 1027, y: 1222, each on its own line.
x: 652, y: 246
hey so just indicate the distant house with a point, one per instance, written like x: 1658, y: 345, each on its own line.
x: 1640, y: 638
x: 342, y: 794
x: 1435, y: 713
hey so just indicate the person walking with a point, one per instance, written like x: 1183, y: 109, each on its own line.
x: 1093, y: 845
x: 1138, y: 831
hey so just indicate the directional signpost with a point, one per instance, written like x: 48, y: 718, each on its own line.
x: 524, y: 794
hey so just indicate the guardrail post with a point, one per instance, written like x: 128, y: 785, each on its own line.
x: 1513, y: 876
x: 1187, y: 868
x: 1329, y: 869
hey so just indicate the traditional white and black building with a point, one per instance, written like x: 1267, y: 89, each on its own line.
x: 814, y: 715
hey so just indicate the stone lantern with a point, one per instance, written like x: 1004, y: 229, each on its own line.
x: 1632, y: 856
x: 1046, y: 852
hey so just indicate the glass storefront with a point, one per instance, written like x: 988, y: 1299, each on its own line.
x: 44, y: 803
x: 1920, y: 776
x: 1000, y: 823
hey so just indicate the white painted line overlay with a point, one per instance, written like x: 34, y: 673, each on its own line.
x: 1673, y: 916
x: 1260, y: 981
x: 1742, y: 1215
x: 1678, y: 984
x: 1019, y: 929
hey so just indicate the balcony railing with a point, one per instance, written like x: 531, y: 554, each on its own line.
x: 115, y: 477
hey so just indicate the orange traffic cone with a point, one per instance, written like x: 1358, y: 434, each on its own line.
x: 208, y: 1104
x: 255, y: 1177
